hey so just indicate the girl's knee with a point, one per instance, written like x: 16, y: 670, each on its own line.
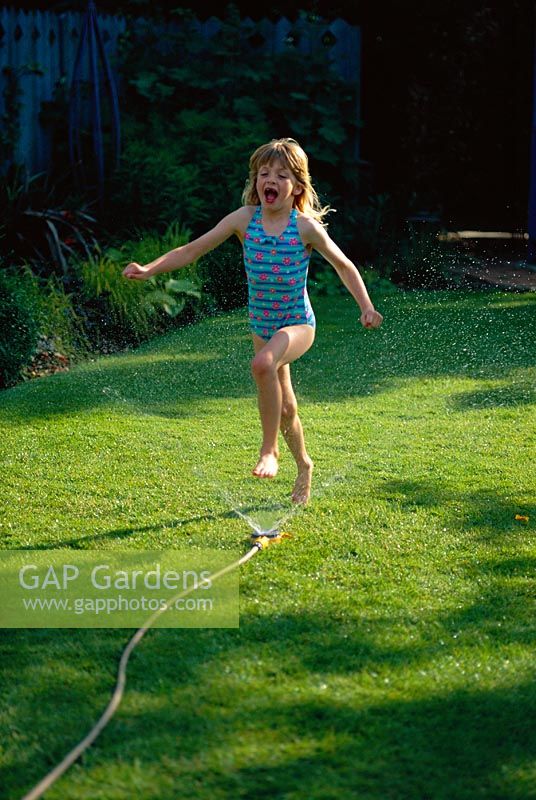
x: 289, y: 410
x: 262, y: 365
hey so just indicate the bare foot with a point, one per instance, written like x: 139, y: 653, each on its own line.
x: 302, y: 487
x: 267, y: 466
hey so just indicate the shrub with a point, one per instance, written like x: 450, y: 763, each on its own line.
x: 61, y: 323
x: 325, y: 281
x: 194, y: 114
x: 121, y: 311
x: 19, y: 325
x: 35, y: 229
x: 160, y: 180
x: 153, y: 184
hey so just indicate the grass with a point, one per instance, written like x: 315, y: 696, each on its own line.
x: 385, y: 652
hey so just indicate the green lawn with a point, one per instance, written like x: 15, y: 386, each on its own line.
x: 386, y: 651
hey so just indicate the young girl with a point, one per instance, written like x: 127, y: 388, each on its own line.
x: 278, y: 226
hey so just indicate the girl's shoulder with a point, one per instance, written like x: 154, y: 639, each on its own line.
x: 245, y: 214
x: 308, y: 227
x: 241, y: 218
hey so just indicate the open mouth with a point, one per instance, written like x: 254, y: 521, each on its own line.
x: 270, y: 195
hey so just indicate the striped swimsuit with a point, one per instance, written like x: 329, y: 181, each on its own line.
x: 276, y: 269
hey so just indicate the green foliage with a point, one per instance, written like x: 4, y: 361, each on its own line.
x: 60, y: 317
x: 167, y: 292
x: 19, y: 324
x: 153, y: 184
x: 378, y: 285
x: 34, y: 230
x: 148, y: 245
x: 172, y: 297
x: 61, y: 321
x: 120, y: 303
x: 194, y: 114
x: 126, y: 310
x: 323, y: 279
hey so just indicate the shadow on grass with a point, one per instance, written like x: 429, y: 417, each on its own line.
x: 399, y: 749
x: 488, y: 514
x: 80, y: 542
x: 193, y: 719
x: 522, y: 392
x: 259, y: 512
x: 435, y: 334
x: 312, y: 705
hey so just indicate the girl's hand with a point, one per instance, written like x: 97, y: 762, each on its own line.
x: 136, y: 272
x: 370, y: 318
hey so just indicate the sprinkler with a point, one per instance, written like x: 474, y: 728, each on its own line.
x: 266, y: 538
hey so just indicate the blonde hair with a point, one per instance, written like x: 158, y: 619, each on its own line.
x: 289, y: 152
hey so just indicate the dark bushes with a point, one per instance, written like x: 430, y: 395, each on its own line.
x: 19, y: 325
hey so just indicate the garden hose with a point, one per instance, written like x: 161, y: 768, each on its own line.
x: 260, y: 541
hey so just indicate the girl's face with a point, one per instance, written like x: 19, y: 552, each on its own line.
x: 276, y: 186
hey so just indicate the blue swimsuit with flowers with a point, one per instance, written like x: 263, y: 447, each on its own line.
x: 276, y: 269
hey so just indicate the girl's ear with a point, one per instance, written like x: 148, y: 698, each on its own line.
x: 298, y: 189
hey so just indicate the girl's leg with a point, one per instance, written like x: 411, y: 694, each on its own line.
x: 285, y: 346
x: 292, y: 430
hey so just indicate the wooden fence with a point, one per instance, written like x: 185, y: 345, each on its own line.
x: 50, y: 41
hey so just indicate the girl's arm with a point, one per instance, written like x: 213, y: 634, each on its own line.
x: 317, y: 236
x: 182, y: 256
